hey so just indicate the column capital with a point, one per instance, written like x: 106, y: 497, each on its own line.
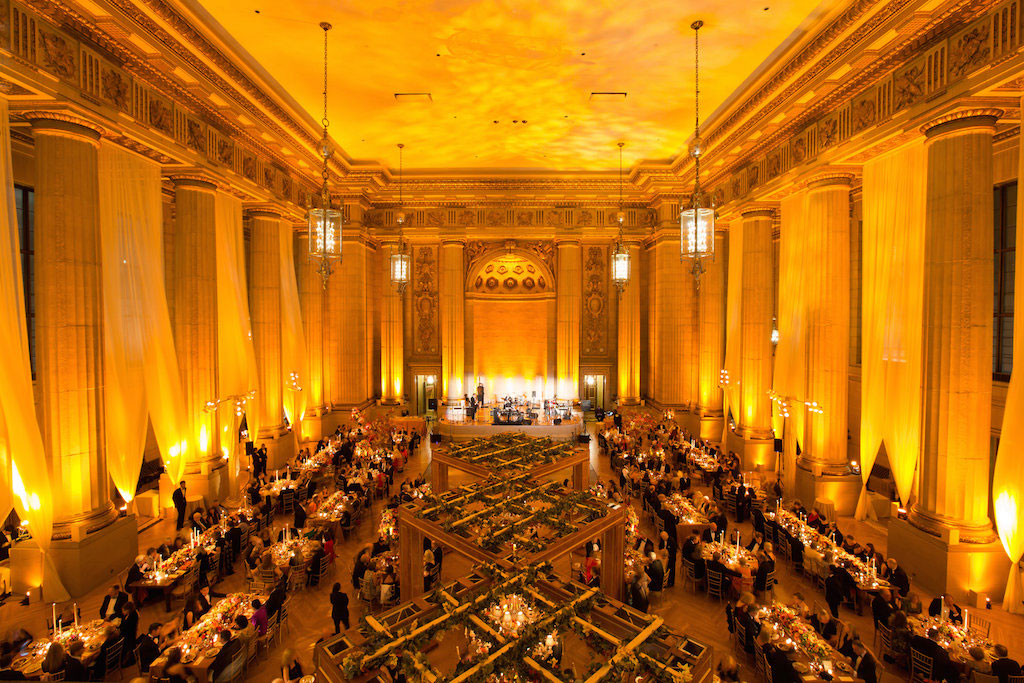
x: 453, y: 241
x: 193, y: 181
x: 982, y: 119
x: 271, y: 212
x: 758, y: 211
x: 567, y: 242
x: 63, y: 124
x: 830, y: 178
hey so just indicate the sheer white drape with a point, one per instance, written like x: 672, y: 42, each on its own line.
x: 1008, y: 474
x: 24, y: 471
x: 293, y: 339
x: 790, y: 377
x: 141, y: 376
x: 236, y: 354
x: 734, y: 304
x: 893, y: 291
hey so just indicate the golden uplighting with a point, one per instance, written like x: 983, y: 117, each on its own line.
x: 510, y: 83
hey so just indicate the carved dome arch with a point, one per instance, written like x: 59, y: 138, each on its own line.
x: 510, y: 272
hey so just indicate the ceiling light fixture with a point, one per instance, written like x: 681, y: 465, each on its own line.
x: 324, y: 221
x: 620, y: 254
x: 697, y: 223
x: 400, y: 257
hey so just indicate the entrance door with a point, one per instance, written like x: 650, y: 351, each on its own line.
x: 594, y: 390
x: 426, y: 389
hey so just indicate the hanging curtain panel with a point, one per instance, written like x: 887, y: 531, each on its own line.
x: 893, y: 291
x: 24, y: 470
x: 294, y: 370
x: 236, y: 354
x: 734, y: 303
x: 790, y: 380
x: 1008, y: 474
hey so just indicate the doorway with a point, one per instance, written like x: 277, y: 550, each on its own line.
x: 594, y: 390
x: 426, y: 390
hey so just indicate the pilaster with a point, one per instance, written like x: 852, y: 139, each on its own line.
x: 629, y: 334
x: 568, y: 307
x: 453, y: 320
x: 711, y: 341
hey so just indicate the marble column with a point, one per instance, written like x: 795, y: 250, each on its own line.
x: 629, y: 334
x: 754, y: 417
x: 957, y: 356
x: 711, y: 341
x: 311, y: 304
x: 948, y: 542
x: 452, y: 314
x: 392, y: 351
x: 667, y: 282
x: 265, y: 312
x: 69, y: 353
x: 335, y: 341
x: 568, y: 307
x: 348, y: 295
x: 195, y: 327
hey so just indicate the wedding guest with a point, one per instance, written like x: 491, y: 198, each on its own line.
x: 339, y: 608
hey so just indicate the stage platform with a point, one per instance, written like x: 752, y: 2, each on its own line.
x: 456, y: 426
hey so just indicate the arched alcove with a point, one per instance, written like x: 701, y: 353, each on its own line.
x: 510, y: 324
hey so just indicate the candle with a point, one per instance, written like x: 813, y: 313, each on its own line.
x: 76, y: 615
x: 53, y: 607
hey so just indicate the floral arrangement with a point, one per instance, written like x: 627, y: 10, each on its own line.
x: 798, y: 632
x: 388, y: 528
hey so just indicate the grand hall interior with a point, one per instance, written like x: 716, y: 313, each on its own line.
x: 493, y: 341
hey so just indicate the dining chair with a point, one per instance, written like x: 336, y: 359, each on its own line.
x: 715, y: 585
x: 920, y: 666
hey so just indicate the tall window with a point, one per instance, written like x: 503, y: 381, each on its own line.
x: 1005, y: 254
x: 25, y: 200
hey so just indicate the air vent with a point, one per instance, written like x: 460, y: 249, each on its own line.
x: 607, y: 96
x: 413, y: 97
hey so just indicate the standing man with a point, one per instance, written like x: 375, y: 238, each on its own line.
x: 179, y: 504
x: 480, y: 394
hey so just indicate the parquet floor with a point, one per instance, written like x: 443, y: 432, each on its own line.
x: 695, y: 615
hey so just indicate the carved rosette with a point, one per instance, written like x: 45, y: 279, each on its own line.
x: 595, y: 301
x: 425, y: 301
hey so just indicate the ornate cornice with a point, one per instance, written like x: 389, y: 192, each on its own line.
x: 830, y: 179
x: 757, y: 211
x: 62, y: 123
x: 194, y: 181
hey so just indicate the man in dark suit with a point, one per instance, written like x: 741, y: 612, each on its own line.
x: 670, y: 546
x: 656, y: 572
x: 942, y: 668
x: 300, y: 516
x: 222, y: 668
x: 881, y: 607
x: 864, y: 663
x: 148, y: 646
x: 277, y: 597
x: 945, y: 600
x: 833, y: 591
x: 178, y: 498
x: 112, y: 601
x: 1004, y: 666
x: 898, y: 577
x: 640, y: 597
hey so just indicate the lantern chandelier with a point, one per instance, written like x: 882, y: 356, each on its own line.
x: 324, y: 221
x: 697, y: 223
x: 400, y: 257
x: 620, y: 254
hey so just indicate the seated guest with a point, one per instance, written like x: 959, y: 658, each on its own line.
x: 224, y: 667
x: 99, y: 667
x: 112, y: 601
x: 901, y: 635
x: 74, y: 668
x: 244, y: 631
x: 945, y: 602
x: 197, y: 521
x: 53, y: 661
x: 834, y: 590
x: 864, y: 663
x: 881, y: 607
x: 174, y: 670
x: 825, y: 625
x: 192, y: 614
x: 135, y: 571
x: 911, y: 604
x: 898, y: 577
x: 942, y: 668
x: 129, y: 626
x: 850, y: 545
x: 148, y: 646
x: 259, y: 618
x: 1003, y: 666
x: 977, y: 660
x: 291, y: 667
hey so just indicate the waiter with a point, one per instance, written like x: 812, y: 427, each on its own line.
x: 178, y: 498
x: 480, y: 394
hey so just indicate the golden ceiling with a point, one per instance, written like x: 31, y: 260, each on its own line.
x: 511, y: 81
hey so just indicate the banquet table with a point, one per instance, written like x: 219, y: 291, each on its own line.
x: 730, y: 555
x: 283, y: 551
x: 955, y: 638
x: 687, y: 517
x: 198, y: 644
x: 810, y: 653
x: 166, y: 577
x: 30, y: 659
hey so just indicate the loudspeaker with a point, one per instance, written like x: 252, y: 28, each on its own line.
x: 249, y: 448
x: 557, y: 421
x: 778, y: 445
x: 435, y: 438
x: 431, y: 404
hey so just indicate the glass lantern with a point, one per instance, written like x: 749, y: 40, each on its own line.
x: 400, y: 269
x: 620, y: 266
x: 325, y: 233
x: 697, y: 232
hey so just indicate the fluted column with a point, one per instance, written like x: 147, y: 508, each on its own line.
x: 311, y: 303
x: 667, y: 284
x: 453, y: 306
x: 756, y: 324
x: 953, y: 489
x: 711, y: 341
x: 629, y: 334
x: 334, y: 337
x: 265, y: 313
x: 392, y: 351
x: 826, y: 227
x: 69, y: 315
x: 568, y: 308
x: 351, y: 286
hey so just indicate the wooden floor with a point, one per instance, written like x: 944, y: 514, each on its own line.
x: 695, y: 615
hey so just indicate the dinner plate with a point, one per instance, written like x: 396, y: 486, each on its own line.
x: 801, y: 667
x: 211, y: 652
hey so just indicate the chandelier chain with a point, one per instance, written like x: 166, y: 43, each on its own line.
x: 696, y: 112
